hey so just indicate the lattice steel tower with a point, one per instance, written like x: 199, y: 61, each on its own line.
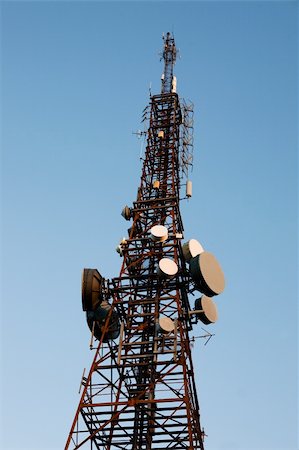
x: 140, y: 392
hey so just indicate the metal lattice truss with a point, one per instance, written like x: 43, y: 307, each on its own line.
x: 186, y: 139
x: 140, y: 392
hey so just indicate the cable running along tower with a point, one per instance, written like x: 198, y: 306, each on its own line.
x: 140, y: 392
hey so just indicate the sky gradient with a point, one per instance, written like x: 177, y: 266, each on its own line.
x: 75, y: 79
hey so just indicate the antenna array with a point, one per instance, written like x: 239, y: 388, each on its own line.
x: 140, y: 392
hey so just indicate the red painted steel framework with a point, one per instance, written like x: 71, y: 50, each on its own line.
x: 140, y: 392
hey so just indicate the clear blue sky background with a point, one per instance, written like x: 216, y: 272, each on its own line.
x: 75, y: 78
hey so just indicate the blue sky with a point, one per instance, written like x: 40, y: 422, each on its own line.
x: 75, y: 79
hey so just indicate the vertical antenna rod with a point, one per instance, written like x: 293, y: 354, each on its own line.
x: 169, y: 56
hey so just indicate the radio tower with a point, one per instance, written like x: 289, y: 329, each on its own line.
x: 140, y: 392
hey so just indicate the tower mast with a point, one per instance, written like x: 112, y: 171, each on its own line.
x: 169, y: 55
x: 140, y: 393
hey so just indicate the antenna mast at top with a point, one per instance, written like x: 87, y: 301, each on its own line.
x: 169, y: 56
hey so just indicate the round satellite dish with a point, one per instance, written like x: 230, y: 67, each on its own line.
x: 207, y: 274
x: 96, y: 321
x: 126, y: 213
x: 92, y: 285
x: 166, y: 325
x: 191, y: 249
x: 208, y: 310
x: 159, y: 233
x: 119, y: 250
x: 167, y: 268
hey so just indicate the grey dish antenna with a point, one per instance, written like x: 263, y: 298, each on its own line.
x: 206, y: 310
x: 97, y: 308
x: 92, y: 285
x: 207, y: 274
